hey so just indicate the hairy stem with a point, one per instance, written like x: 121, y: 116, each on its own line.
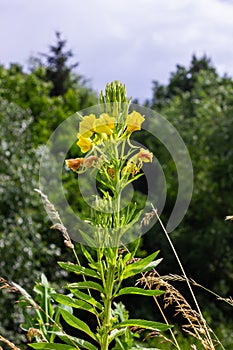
x: 108, y: 306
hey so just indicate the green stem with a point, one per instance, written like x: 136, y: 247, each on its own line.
x: 111, y: 255
x: 109, y: 283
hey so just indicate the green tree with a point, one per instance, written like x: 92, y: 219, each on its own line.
x: 182, y: 80
x: 28, y: 115
x: 200, y: 106
x: 26, y: 244
x: 31, y: 91
x: 57, y: 69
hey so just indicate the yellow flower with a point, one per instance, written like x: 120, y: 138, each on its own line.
x: 134, y: 121
x: 74, y: 164
x: 86, y: 128
x: 105, y: 124
x: 85, y: 144
x: 144, y: 155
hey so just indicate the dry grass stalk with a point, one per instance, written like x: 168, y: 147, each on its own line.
x: 174, y: 277
x: 33, y: 332
x: 8, y: 343
x: 49, y: 206
x: 196, y: 326
x: 15, y: 288
x: 63, y: 230
x: 227, y: 300
x: 54, y: 215
x: 4, y: 284
x: 147, y: 218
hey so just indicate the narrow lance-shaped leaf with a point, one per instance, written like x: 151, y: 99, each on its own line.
x: 85, y: 285
x: 116, y: 333
x: 77, y: 323
x: 87, y: 298
x: 80, y: 270
x: 139, y: 291
x: 144, y: 324
x: 52, y: 346
x: 89, y: 258
x: 142, y: 265
x: 73, y: 302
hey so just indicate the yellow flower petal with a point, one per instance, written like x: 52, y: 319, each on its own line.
x: 134, y: 121
x: 105, y: 124
x: 86, y: 127
x: 85, y: 144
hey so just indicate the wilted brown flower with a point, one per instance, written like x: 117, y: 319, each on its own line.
x: 145, y: 156
x: 74, y: 164
x: 88, y: 162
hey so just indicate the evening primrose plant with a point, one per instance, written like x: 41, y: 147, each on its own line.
x: 105, y: 142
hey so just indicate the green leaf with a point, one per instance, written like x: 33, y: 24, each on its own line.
x: 116, y: 333
x: 139, y: 291
x: 87, y: 298
x: 52, y: 346
x: 69, y: 339
x: 80, y: 270
x: 87, y: 254
x: 87, y: 239
x: 73, y: 302
x: 85, y: 285
x: 55, y: 326
x: 142, y: 265
x: 77, y: 323
x: 144, y: 324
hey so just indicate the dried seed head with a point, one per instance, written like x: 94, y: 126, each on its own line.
x: 147, y: 218
x: 8, y: 285
x: 65, y: 234
x: 33, y: 332
x: 49, y: 206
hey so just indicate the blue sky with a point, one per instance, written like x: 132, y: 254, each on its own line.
x: 134, y: 41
